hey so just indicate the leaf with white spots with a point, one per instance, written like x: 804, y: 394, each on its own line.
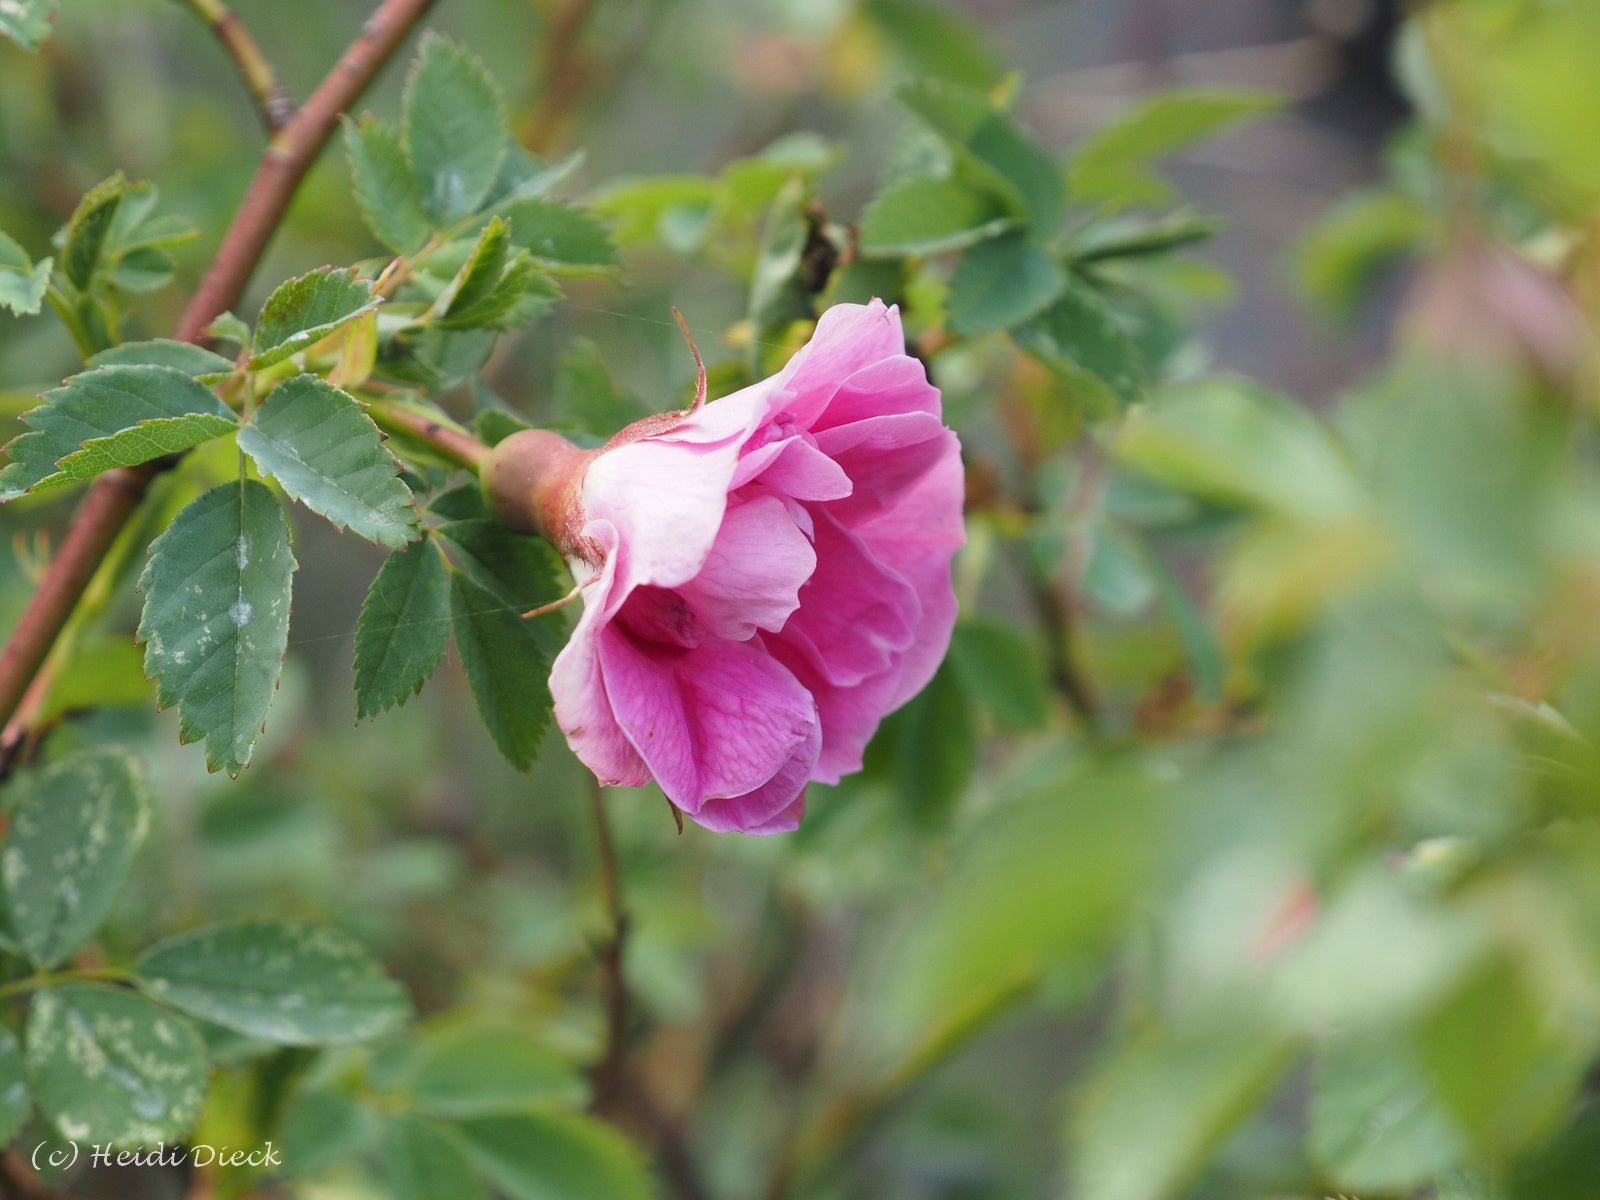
x: 216, y: 617
x: 109, y: 1066
x: 306, y: 310
x: 27, y: 22
x: 15, y: 1099
x: 319, y: 443
x: 74, y: 832
x: 282, y: 981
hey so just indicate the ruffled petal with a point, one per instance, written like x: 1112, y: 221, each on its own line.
x: 776, y: 805
x: 752, y: 578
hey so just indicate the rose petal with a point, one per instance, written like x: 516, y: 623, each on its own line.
x: 752, y: 577
x: 776, y: 805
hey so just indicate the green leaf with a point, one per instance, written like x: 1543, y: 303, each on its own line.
x: 1348, y: 247
x: 521, y: 572
x: 1003, y: 670
x: 455, y: 130
x: 935, y: 39
x: 281, y: 981
x: 114, y: 416
x: 27, y: 22
x: 930, y: 748
x: 929, y: 216
x: 16, y: 1102
x: 216, y: 617
x: 319, y: 443
x: 402, y: 631
x: 386, y: 191
x: 1002, y: 282
x: 674, y: 209
x: 324, y: 1128
x: 776, y: 292
x: 194, y: 361
x: 74, y: 832
x: 426, y: 1162
x: 507, y: 664
x: 1111, y: 164
x: 22, y: 283
x: 107, y: 1065
x: 1156, y: 1113
x: 555, y: 1156
x: 1122, y: 238
x: 566, y: 240
x: 991, y: 150
x: 1376, y: 1125
x: 86, y: 231
x: 489, y: 288
x: 306, y: 310
x: 1079, y: 332
x: 475, y: 1071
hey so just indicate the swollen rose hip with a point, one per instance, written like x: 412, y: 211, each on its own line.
x: 764, y: 579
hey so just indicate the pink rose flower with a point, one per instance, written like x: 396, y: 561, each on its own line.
x: 764, y: 579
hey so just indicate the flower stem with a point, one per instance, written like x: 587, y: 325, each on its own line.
x: 456, y: 444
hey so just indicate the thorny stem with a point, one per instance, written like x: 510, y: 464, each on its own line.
x: 607, y: 1075
x: 272, y: 100
x: 115, y: 495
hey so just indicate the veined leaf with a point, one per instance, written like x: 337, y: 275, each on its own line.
x: 455, y: 128
x: 216, y: 616
x: 74, y: 832
x: 427, y: 1162
x: 319, y: 443
x: 194, y: 361
x: 22, y: 283
x: 991, y: 149
x: 27, y: 22
x: 1002, y: 282
x: 403, y: 628
x: 1079, y: 331
x: 565, y: 239
x: 928, y: 216
x: 282, y: 981
x: 86, y: 231
x: 386, y: 191
x: 489, y: 286
x: 306, y: 310
x: 555, y: 1155
x: 114, y: 416
x: 108, y: 1065
x: 507, y: 665
x: 477, y: 1071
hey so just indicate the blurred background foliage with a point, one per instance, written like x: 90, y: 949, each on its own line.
x: 1247, y: 844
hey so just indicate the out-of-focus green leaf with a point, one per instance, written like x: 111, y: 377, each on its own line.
x: 306, y: 310
x: 110, y: 417
x: 565, y: 240
x: 1233, y: 442
x: 928, y: 216
x: 660, y: 207
x: 930, y: 748
x: 991, y: 150
x: 109, y: 1066
x: 403, y: 629
x: 472, y: 1071
x: 425, y: 1161
x: 1150, y: 1119
x: 27, y: 22
x: 555, y: 1156
x: 1122, y: 238
x: 16, y: 1102
x: 454, y: 130
x: 22, y: 283
x: 324, y: 1128
x: 319, y: 443
x: 216, y: 617
x: 1002, y: 282
x: 1111, y: 165
x: 281, y: 981
x: 776, y: 293
x: 75, y: 829
x: 1376, y: 1125
x: 936, y: 40
x: 1003, y: 670
x: 1348, y: 246
x: 386, y: 191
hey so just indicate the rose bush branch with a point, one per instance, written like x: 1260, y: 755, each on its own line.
x: 115, y: 495
x: 272, y: 100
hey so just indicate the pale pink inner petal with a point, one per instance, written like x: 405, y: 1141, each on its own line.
x: 848, y: 338
x: 717, y: 719
x: 752, y: 577
x: 895, y: 385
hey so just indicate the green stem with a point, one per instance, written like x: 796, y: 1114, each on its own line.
x: 45, y: 979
